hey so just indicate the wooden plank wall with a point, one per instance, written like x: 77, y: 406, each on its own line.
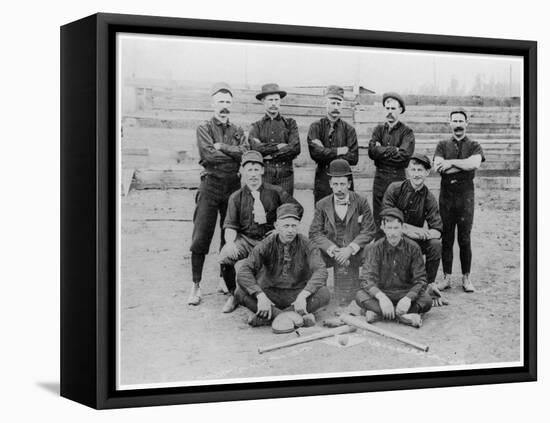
x: 158, y: 131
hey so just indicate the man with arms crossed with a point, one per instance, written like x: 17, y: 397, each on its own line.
x: 457, y: 159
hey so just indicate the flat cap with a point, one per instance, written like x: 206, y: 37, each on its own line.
x: 252, y: 156
x: 395, y: 96
x: 290, y: 210
x: 339, y: 167
x: 335, y: 91
x: 270, y: 88
x: 458, y: 110
x: 393, y: 212
x: 220, y: 86
x: 422, y: 158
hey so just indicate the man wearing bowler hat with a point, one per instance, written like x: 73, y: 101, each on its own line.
x: 221, y: 145
x: 391, y: 147
x: 285, y: 270
x: 331, y: 138
x: 251, y: 213
x: 342, y: 224
x: 276, y: 137
x: 457, y: 159
x: 393, y: 278
x: 419, y: 207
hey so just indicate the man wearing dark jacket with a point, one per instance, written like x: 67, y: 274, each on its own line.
x: 285, y: 270
x: 331, y: 138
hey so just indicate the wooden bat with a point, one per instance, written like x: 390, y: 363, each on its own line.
x: 361, y: 324
x: 313, y: 337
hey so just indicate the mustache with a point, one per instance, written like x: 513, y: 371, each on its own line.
x: 336, y: 112
x: 459, y: 128
x: 224, y: 110
x: 390, y: 115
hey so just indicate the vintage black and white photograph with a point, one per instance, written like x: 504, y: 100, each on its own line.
x: 298, y: 211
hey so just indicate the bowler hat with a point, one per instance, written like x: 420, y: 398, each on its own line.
x: 290, y: 210
x: 393, y: 212
x: 458, y: 110
x: 395, y: 96
x: 334, y: 91
x: 339, y: 167
x: 220, y: 86
x: 425, y: 160
x: 270, y: 88
x: 252, y: 156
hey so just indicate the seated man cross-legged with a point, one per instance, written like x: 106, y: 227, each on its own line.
x: 285, y: 270
x: 393, y: 280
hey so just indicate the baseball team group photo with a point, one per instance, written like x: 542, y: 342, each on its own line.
x: 291, y: 211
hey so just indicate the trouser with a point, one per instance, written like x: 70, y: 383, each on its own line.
x: 283, y: 298
x: 321, y: 186
x: 244, y: 245
x: 280, y: 174
x: 431, y: 248
x: 383, y: 177
x: 456, y: 206
x: 422, y: 304
x: 211, y: 200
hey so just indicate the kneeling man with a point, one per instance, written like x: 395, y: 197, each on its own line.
x: 285, y: 270
x: 393, y: 280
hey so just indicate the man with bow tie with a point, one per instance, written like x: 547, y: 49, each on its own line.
x: 251, y: 214
x: 343, y: 224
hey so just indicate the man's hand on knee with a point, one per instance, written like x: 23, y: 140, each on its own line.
x: 230, y: 250
x: 403, y: 306
x: 264, y: 306
x: 300, y: 303
x: 388, y: 311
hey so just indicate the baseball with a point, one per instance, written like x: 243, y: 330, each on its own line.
x: 343, y: 339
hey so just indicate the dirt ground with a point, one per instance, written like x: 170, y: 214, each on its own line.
x: 163, y: 340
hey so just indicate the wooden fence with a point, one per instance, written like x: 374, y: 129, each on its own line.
x: 159, y: 122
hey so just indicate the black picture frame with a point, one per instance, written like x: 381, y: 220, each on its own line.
x: 88, y: 220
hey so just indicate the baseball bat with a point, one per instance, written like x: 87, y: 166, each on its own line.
x: 313, y: 337
x: 361, y: 324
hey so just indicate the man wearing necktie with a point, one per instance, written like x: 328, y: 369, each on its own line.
x: 457, y: 159
x: 342, y: 225
x: 276, y: 137
x: 331, y: 138
x: 391, y: 146
x: 251, y: 214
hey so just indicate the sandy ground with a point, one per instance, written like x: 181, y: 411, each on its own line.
x: 163, y: 340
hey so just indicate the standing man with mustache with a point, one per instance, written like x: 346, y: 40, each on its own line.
x: 221, y: 145
x: 276, y: 137
x: 391, y: 146
x: 456, y: 160
x: 331, y: 138
x: 251, y: 213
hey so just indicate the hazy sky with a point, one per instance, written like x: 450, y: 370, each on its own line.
x: 254, y: 63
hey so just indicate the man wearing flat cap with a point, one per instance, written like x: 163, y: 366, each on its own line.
x: 276, y: 137
x: 251, y: 214
x: 221, y: 145
x: 342, y: 224
x: 393, y: 278
x: 391, y: 146
x: 421, y: 213
x: 331, y: 138
x: 457, y: 159
x: 284, y: 271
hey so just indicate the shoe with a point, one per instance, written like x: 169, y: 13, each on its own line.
x: 333, y: 322
x: 256, y: 321
x: 230, y: 304
x: 411, y: 319
x: 353, y: 309
x: 371, y: 316
x: 445, y: 283
x: 222, y: 287
x: 194, y: 296
x: 467, y: 286
x: 309, y: 320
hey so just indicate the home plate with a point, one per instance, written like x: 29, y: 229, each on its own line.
x: 345, y: 340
